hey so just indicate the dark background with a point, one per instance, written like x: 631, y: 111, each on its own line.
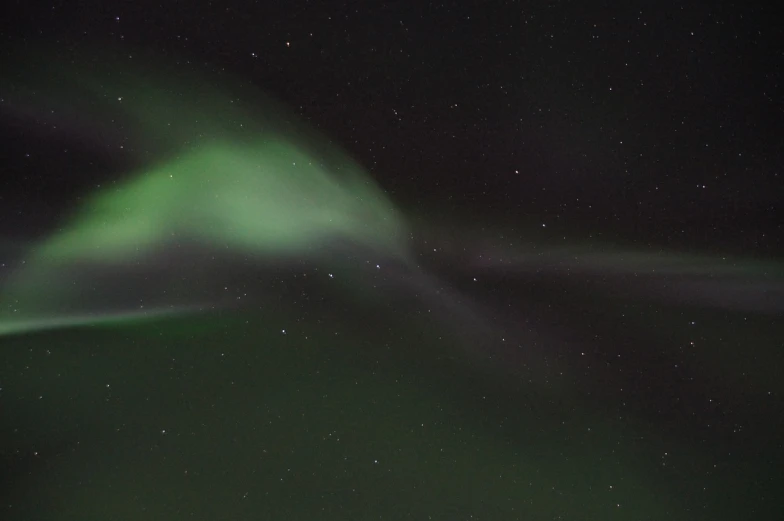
x: 651, y: 124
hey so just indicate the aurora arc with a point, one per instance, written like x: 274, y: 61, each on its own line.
x: 223, y: 176
x: 241, y: 186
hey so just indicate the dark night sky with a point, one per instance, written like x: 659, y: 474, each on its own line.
x: 573, y: 380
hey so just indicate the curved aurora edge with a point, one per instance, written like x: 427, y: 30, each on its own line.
x: 219, y: 181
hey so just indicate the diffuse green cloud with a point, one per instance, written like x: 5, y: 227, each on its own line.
x: 218, y: 178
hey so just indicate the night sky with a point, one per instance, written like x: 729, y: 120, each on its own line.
x: 335, y: 260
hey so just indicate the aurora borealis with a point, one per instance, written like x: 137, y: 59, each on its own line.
x: 258, y: 198
x: 345, y: 279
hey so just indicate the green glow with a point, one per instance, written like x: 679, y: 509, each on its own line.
x: 57, y: 322
x: 227, y: 177
x: 219, y: 180
x: 268, y: 199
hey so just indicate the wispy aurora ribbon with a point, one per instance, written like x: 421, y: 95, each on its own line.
x: 230, y: 173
